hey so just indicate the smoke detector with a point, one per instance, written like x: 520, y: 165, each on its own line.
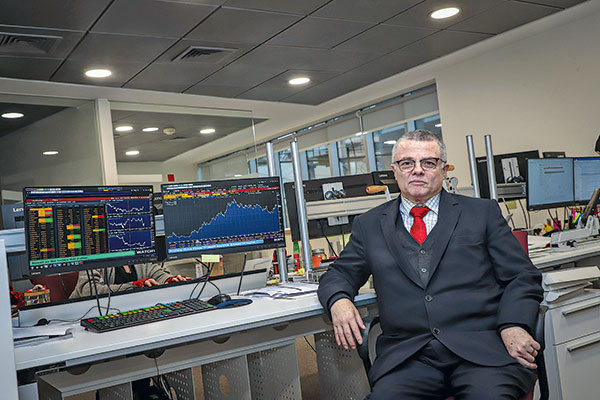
x: 169, y: 131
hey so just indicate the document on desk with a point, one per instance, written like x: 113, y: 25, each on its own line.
x: 40, y: 334
x: 569, y: 277
x: 285, y: 290
x: 558, y: 295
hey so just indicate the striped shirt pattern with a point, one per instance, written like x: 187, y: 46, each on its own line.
x: 430, y: 219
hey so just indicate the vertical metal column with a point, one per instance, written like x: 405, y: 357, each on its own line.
x: 490, y: 167
x: 281, y: 259
x: 8, y: 374
x: 473, y: 166
x: 302, y: 217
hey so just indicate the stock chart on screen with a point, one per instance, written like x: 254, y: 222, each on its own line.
x: 222, y: 216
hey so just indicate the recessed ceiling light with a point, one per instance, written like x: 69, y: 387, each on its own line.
x: 169, y: 131
x: 50, y: 153
x: 207, y: 131
x: 237, y: 175
x: 444, y: 13
x: 124, y: 128
x: 13, y: 115
x: 150, y: 129
x: 299, y: 81
x: 389, y: 142
x: 438, y: 125
x: 98, y: 73
x: 132, y: 152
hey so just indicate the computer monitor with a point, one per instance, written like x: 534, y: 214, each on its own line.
x: 223, y: 216
x: 353, y: 186
x: 550, y: 183
x: 75, y: 228
x: 12, y: 216
x: 586, y: 176
x: 510, y: 168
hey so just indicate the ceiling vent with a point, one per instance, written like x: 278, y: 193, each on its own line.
x: 204, y: 54
x: 16, y: 43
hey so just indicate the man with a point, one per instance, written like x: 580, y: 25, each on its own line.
x: 456, y: 293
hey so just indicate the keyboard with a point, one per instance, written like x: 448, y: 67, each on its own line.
x: 146, y: 315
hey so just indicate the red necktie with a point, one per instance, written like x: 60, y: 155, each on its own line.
x: 418, y: 229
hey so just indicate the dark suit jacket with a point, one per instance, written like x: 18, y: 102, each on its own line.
x: 480, y: 279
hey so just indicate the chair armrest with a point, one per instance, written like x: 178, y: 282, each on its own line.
x: 363, y: 349
x: 539, y: 360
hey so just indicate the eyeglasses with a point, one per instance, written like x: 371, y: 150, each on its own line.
x: 427, y: 164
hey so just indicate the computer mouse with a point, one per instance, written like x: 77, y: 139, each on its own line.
x: 219, y: 298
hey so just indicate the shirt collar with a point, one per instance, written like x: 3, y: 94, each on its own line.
x: 433, y: 204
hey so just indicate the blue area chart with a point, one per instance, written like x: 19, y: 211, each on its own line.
x: 237, y: 220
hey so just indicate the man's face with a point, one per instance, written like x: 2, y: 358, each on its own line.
x: 418, y: 185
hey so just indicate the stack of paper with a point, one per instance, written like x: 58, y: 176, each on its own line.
x: 568, y: 283
x: 285, y: 290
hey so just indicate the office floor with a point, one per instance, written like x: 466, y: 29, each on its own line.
x: 307, y: 364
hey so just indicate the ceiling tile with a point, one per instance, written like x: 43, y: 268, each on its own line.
x: 72, y: 71
x: 216, y: 90
x: 384, y: 39
x: 234, y: 75
x: 32, y: 113
x: 170, y: 77
x: 28, y: 68
x: 391, y: 64
x: 503, y: 17
x: 318, y: 32
x: 241, y: 26
x: 303, y: 7
x: 60, y: 14
x: 366, y: 11
x: 418, y: 16
x: 56, y: 43
x: 330, y: 89
x: 151, y: 18
x: 278, y: 87
x: 442, y: 43
x: 105, y: 48
x: 554, y: 3
x: 303, y: 58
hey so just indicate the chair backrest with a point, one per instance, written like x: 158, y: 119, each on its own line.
x: 61, y: 286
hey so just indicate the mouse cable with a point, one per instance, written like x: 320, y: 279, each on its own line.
x: 242, y: 273
x: 216, y: 287
x: 200, y: 277
x: 160, y: 382
x: 309, y: 345
x: 206, y: 279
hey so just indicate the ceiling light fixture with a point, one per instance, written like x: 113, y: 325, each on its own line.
x: 132, y: 152
x: 299, y: 81
x: 438, y: 125
x: 237, y: 175
x: 169, y: 131
x: 98, y: 73
x: 150, y: 129
x: 124, y: 128
x: 390, y: 142
x: 50, y: 153
x: 443, y: 13
x: 13, y: 115
x: 207, y: 131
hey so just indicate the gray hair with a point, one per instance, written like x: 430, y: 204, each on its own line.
x: 423, y: 135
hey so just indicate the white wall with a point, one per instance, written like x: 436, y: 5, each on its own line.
x: 72, y: 132
x: 156, y: 173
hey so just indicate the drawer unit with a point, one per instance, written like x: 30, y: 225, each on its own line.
x: 575, y: 320
x: 579, y: 364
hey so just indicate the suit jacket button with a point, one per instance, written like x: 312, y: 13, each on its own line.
x: 422, y: 251
x: 436, y: 331
x: 428, y: 298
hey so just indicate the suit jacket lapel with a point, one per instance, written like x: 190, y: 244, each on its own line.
x: 448, y: 214
x: 392, y: 238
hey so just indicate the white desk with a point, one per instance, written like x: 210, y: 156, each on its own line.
x: 201, y: 339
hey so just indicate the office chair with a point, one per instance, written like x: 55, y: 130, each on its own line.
x: 542, y: 378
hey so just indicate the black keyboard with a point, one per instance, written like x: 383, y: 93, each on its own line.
x: 145, y: 315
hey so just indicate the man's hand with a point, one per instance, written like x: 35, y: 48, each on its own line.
x: 520, y: 346
x: 346, y: 321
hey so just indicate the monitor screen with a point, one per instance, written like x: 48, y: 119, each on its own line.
x: 75, y: 228
x: 586, y: 175
x: 509, y: 168
x: 550, y: 183
x: 222, y: 216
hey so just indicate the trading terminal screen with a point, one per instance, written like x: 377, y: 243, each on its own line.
x: 550, y: 183
x: 586, y: 171
x: 75, y: 228
x: 222, y: 216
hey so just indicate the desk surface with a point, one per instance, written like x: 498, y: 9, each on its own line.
x: 552, y: 258
x: 87, y: 346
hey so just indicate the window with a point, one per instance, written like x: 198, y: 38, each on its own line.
x: 384, y: 141
x: 431, y: 123
x: 318, y: 162
x: 352, y: 156
x: 285, y: 163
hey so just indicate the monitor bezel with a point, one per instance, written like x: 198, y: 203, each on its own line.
x: 90, y: 264
x: 225, y: 250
